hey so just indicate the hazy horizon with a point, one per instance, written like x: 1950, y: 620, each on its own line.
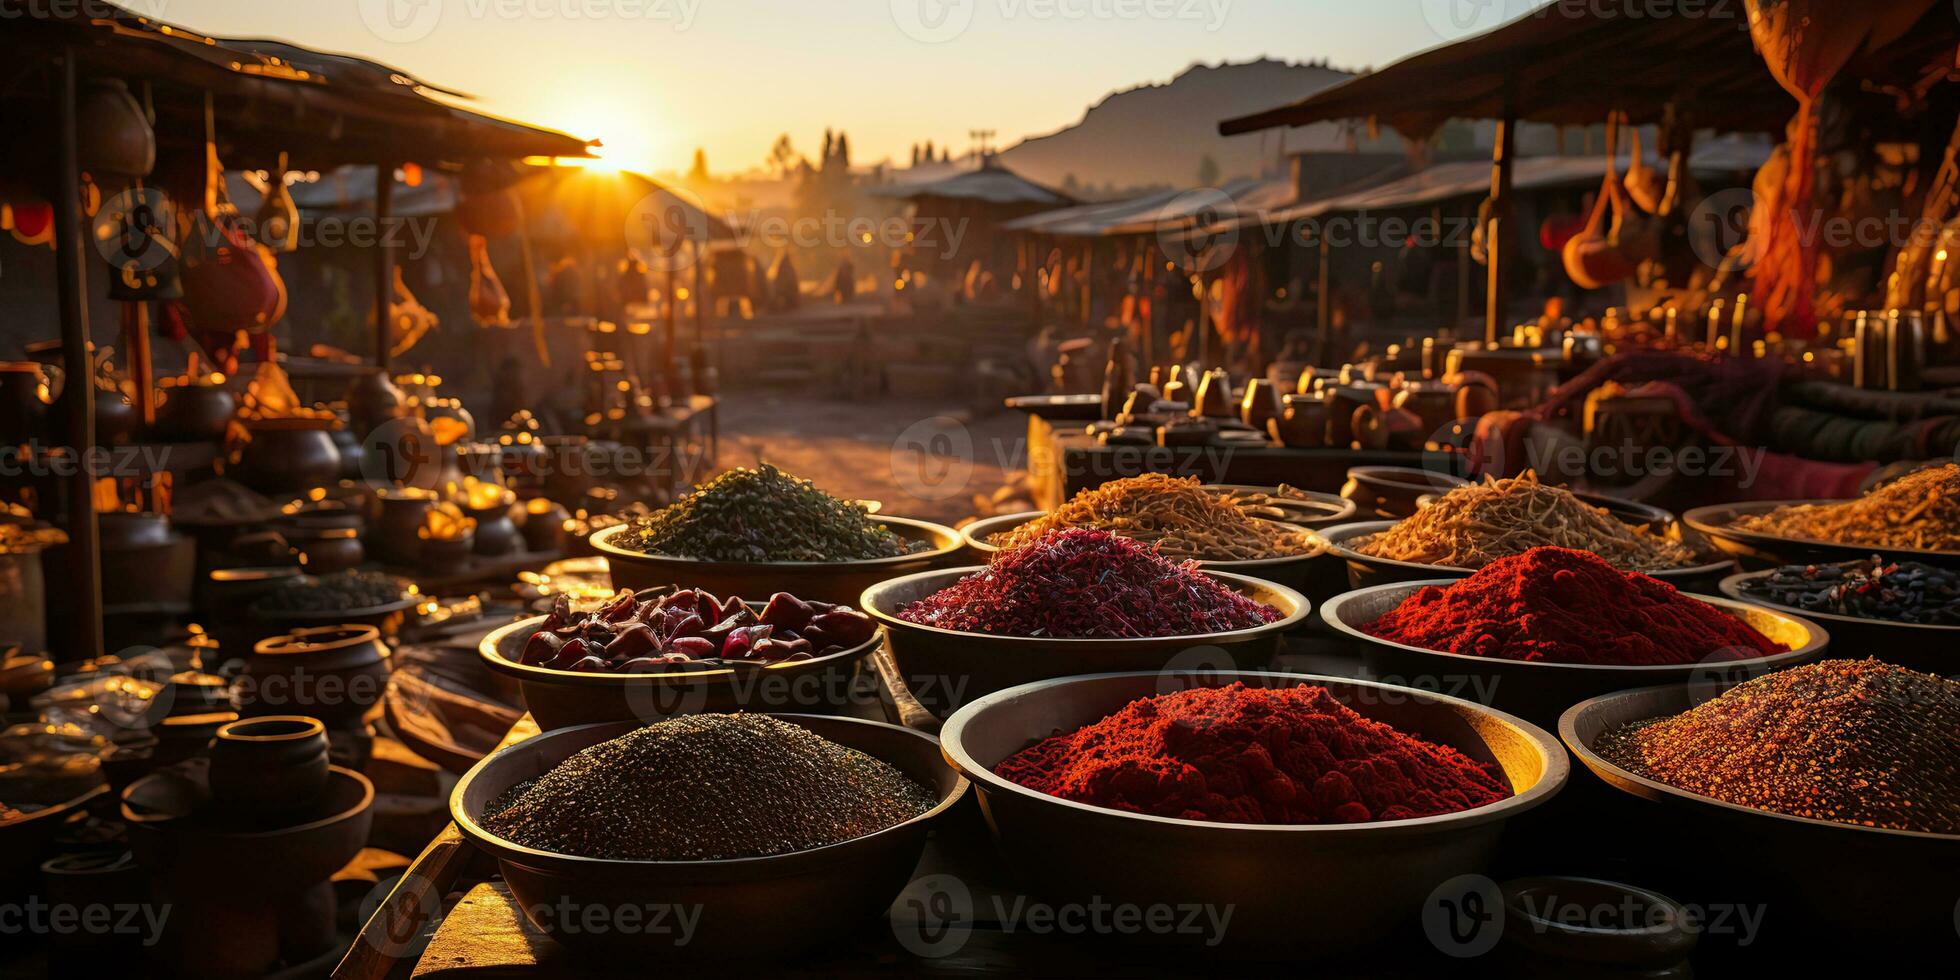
x: 655, y: 79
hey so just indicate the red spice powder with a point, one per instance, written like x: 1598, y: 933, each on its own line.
x: 1242, y: 754
x: 1079, y: 584
x: 1561, y: 606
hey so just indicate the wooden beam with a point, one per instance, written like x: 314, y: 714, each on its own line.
x: 71, y: 275
x: 384, y: 261
x: 1497, y: 236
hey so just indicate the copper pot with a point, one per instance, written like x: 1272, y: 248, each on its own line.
x: 196, y: 412
x: 287, y: 456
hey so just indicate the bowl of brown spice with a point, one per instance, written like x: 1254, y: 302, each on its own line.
x: 1829, y: 789
x: 725, y: 838
x: 1913, y: 518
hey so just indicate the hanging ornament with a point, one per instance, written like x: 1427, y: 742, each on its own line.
x: 112, y: 132
x: 489, y: 302
x: 278, y: 218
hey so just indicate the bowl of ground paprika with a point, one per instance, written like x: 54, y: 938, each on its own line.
x: 1300, y: 815
x: 1535, y: 633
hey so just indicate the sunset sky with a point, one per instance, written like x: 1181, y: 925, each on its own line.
x: 656, y: 78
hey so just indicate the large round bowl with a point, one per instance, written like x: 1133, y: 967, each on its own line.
x: 1366, y: 571
x: 23, y: 838
x: 745, y: 908
x: 947, y: 668
x: 1292, y: 571
x: 1315, y: 509
x: 1633, y: 513
x: 1537, y: 691
x: 1894, y: 883
x: 563, y: 698
x: 1293, y: 890
x: 1758, y: 551
x: 835, y: 581
x: 1928, y: 647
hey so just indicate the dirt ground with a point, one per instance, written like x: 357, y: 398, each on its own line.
x: 923, y: 459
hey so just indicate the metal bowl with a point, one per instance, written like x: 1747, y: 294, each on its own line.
x: 746, y: 908
x: 1293, y: 571
x: 834, y: 581
x: 1539, y: 692
x: 1868, y: 880
x: 1633, y: 513
x: 22, y: 839
x: 1757, y: 551
x: 1366, y: 571
x: 1317, y: 509
x: 563, y: 698
x: 1928, y: 647
x: 1294, y: 889
x: 947, y: 668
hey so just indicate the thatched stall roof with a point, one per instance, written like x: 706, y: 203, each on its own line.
x: 991, y: 184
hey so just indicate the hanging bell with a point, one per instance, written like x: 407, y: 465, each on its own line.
x: 134, y: 232
x: 112, y: 133
x: 278, y: 217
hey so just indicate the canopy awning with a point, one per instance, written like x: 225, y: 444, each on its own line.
x: 1572, y: 62
x: 323, y: 109
x: 991, y: 184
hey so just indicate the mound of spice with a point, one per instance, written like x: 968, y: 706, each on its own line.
x: 1081, y: 584
x: 764, y: 515
x: 1919, y: 511
x: 336, y: 593
x: 1560, y: 606
x: 629, y: 635
x: 1871, y: 588
x: 1472, y: 526
x: 1173, y: 514
x: 1242, y: 754
x: 706, y: 788
x: 1854, y: 741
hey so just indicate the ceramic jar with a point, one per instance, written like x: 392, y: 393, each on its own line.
x: 270, y: 765
x: 196, y: 412
x: 333, y: 673
x: 288, y: 456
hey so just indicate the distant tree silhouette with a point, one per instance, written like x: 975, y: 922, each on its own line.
x: 1207, y: 171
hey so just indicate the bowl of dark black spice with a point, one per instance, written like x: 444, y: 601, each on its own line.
x: 1828, y: 791
x: 1907, y: 613
x: 755, y: 531
x: 727, y: 836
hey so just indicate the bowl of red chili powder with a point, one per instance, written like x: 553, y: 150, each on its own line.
x: 1074, y: 601
x: 1535, y: 633
x: 1322, y: 811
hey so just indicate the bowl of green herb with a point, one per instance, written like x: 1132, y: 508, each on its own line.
x: 759, y: 531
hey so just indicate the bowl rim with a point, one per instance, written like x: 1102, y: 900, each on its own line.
x: 1819, y: 638
x: 1700, y: 519
x: 1568, y: 732
x: 1557, y: 765
x: 1653, y: 513
x: 1732, y: 588
x: 1405, y: 477
x: 1007, y: 522
x: 1338, y: 536
x: 601, y: 541
x: 1344, y: 509
x: 889, y: 619
x: 156, y: 820
x: 50, y: 810
x: 503, y: 848
x: 486, y: 650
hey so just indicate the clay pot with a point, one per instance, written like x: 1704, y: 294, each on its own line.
x: 1302, y: 423
x: 401, y: 516
x: 271, y: 765
x: 23, y: 409
x: 442, y: 555
x: 1214, y: 399
x: 1259, y: 405
x: 181, y: 737
x: 496, y: 533
x: 326, y: 550
x: 116, y: 419
x: 372, y: 399
x: 144, y: 560
x: 1433, y: 402
x: 287, y: 456
x: 333, y: 673
x: 544, y: 525
x: 197, y: 412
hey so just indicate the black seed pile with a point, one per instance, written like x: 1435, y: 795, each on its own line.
x: 764, y: 515
x: 1898, y: 592
x: 337, y: 592
x: 1855, y: 741
x: 706, y: 788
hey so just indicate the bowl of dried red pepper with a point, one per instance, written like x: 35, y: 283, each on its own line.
x: 1073, y: 602
x: 1321, y: 812
x: 1535, y: 633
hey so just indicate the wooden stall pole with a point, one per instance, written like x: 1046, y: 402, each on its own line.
x: 384, y: 262
x: 71, y: 276
x: 1497, y: 236
x: 1323, y: 309
x: 1147, y: 303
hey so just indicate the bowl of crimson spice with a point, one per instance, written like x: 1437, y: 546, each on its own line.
x: 752, y: 531
x: 1364, y: 569
x: 1829, y: 789
x: 1905, y: 611
x: 1072, y: 602
x: 744, y: 837
x: 1320, y: 811
x: 684, y: 652
x: 1534, y: 633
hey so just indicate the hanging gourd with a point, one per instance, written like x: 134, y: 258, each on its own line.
x: 278, y: 218
x: 112, y: 132
x: 1806, y: 43
x: 489, y: 303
